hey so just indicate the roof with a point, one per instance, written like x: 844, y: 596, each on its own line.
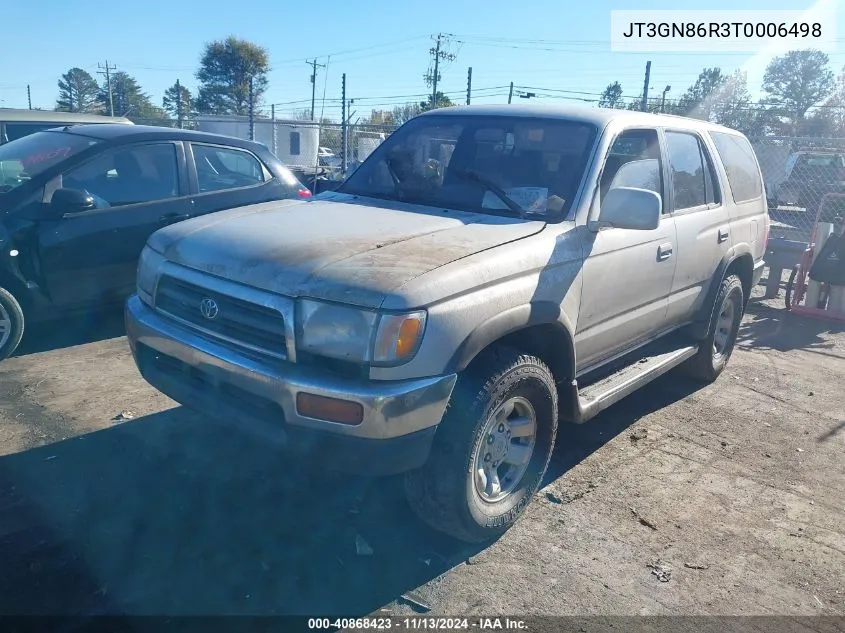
x: 50, y: 116
x: 585, y: 114
x: 110, y: 132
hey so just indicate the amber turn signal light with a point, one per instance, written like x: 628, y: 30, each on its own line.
x: 330, y: 409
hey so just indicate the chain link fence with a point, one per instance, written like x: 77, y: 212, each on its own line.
x: 311, y: 149
x: 797, y: 173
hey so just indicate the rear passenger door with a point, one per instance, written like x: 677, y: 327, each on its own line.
x: 749, y: 209
x: 701, y: 220
x: 225, y: 177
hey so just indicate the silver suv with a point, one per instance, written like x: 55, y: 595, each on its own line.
x: 485, y: 274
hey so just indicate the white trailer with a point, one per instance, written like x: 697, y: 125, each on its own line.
x: 295, y: 143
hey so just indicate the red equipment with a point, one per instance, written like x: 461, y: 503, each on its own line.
x: 796, y: 287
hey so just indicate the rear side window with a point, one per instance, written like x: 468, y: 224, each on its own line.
x: 221, y: 168
x: 740, y: 164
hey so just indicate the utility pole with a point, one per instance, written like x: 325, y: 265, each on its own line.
x: 178, y: 104
x: 107, y: 72
x: 469, y: 84
x: 251, y: 111
x: 273, y: 123
x: 663, y: 99
x: 644, y: 104
x: 510, y: 94
x: 343, y: 124
x: 28, y: 96
x: 432, y: 77
x: 313, y: 63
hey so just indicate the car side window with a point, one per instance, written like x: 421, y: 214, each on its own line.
x: 740, y: 165
x: 221, y: 168
x: 693, y: 182
x: 131, y: 175
x: 633, y: 161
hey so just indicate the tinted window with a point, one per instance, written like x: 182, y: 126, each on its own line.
x: 467, y: 162
x: 692, y: 172
x: 27, y: 157
x: 294, y: 143
x: 740, y: 165
x: 633, y: 161
x: 15, y: 131
x: 142, y: 173
x: 220, y: 168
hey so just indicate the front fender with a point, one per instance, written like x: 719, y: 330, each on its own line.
x: 509, y: 322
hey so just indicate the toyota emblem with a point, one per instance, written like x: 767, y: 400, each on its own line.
x: 209, y: 308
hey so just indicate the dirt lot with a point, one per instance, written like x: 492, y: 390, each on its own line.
x: 738, y: 488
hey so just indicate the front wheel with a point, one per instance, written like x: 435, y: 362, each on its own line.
x: 11, y: 323
x: 717, y: 347
x: 491, y: 450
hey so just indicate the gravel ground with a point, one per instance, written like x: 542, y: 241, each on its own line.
x: 727, y: 499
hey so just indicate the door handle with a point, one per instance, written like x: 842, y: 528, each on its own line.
x: 664, y: 252
x: 170, y: 218
x: 723, y: 235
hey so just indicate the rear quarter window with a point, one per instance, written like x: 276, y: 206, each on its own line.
x: 740, y: 164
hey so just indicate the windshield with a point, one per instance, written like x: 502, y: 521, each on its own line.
x: 27, y: 157
x: 485, y: 164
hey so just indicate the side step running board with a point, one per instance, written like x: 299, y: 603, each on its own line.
x: 594, y: 398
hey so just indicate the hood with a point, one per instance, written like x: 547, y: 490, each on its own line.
x: 334, y: 247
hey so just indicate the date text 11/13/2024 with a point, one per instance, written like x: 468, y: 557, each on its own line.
x: 417, y: 623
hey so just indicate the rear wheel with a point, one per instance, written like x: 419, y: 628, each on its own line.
x: 11, y: 323
x: 491, y: 450
x: 717, y: 347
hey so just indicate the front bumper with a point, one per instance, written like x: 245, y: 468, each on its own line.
x: 259, y: 395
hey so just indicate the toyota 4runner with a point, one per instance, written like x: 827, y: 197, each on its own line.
x: 486, y: 274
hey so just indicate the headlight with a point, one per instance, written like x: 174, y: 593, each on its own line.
x: 148, y: 265
x: 357, y: 335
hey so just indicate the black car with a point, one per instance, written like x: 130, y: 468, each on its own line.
x: 78, y: 203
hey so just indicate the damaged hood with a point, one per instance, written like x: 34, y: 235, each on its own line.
x: 335, y: 247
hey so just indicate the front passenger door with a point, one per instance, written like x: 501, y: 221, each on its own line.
x: 91, y: 257
x: 627, y: 273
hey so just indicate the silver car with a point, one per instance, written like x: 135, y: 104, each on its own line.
x: 487, y: 275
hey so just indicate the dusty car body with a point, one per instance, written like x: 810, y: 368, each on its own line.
x: 487, y: 273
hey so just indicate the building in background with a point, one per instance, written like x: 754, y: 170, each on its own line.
x: 296, y: 143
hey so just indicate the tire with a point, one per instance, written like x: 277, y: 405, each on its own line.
x: 716, y: 348
x: 11, y: 324
x: 445, y: 492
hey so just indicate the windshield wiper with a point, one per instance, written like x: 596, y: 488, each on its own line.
x: 474, y: 176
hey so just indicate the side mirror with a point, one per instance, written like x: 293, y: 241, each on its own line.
x: 72, y: 201
x: 631, y: 208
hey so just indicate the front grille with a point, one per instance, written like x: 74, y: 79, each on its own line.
x: 237, y: 321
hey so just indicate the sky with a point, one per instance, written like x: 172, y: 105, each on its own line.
x: 559, y: 50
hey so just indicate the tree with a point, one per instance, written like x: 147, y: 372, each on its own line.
x: 441, y: 101
x: 78, y: 92
x: 226, y: 68
x: 798, y: 81
x: 700, y: 99
x: 404, y: 113
x: 611, y: 97
x: 175, y: 96
x: 834, y: 107
x: 128, y: 98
